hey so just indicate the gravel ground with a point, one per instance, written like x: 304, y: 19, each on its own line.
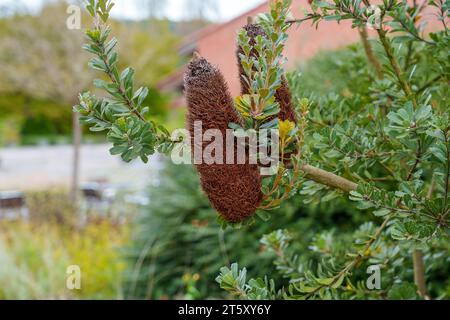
x: 48, y: 166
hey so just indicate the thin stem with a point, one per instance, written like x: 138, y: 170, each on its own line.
x: 443, y: 15
x: 360, y: 257
x: 329, y: 179
x: 419, y: 274
x: 416, y: 163
x: 396, y: 67
x: 75, y: 183
x: 409, y: 55
x: 429, y: 83
x: 309, y: 17
x: 369, y: 53
x: 110, y: 74
x: 415, y: 35
x: 418, y: 265
x: 447, y: 175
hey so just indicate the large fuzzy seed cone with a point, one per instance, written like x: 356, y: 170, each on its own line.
x: 283, y: 94
x: 234, y: 190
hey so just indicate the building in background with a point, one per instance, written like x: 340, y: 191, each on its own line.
x: 217, y: 43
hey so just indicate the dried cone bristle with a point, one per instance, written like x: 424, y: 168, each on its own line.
x: 234, y: 190
x: 283, y: 94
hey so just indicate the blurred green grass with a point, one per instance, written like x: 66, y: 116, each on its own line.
x: 36, y: 252
x: 34, y: 259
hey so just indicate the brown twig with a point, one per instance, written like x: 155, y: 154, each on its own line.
x: 419, y: 274
x: 329, y: 179
x: 369, y: 53
x: 360, y: 257
x: 396, y: 67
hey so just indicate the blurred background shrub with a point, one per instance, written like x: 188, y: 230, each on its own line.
x: 41, y: 79
x: 34, y: 259
x: 177, y: 246
x: 51, y: 206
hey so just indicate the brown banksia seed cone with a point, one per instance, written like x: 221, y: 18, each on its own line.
x: 283, y: 94
x: 234, y: 190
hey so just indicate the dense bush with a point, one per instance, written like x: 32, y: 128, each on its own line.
x: 180, y: 217
x: 51, y: 206
x: 177, y: 246
x: 385, y: 146
x: 390, y: 134
x: 29, y: 116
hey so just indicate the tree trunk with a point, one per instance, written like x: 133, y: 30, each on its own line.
x: 75, y: 183
x: 419, y: 274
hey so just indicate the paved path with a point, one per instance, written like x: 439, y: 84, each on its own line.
x: 41, y: 167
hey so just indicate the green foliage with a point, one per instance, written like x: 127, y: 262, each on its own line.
x: 314, y: 77
x: 403, y: 291
x: 177, y: 246
x: 389, y: 135
x: 25, y: 120
x: 28, y: 116
x: 36, y: 251
x: 123, y: 114
x: 234, y: 281
x: 316, y: 271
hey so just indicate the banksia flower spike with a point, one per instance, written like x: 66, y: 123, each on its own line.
x: 234, y: 190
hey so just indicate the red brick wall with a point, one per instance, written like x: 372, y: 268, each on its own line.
x: 219, y: 44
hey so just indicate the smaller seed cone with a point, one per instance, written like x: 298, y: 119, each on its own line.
x: 234, y: 190
x: 283, y: 94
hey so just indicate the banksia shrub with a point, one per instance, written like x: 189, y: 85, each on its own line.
x: 387, y: 146
x: 233, y: 189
